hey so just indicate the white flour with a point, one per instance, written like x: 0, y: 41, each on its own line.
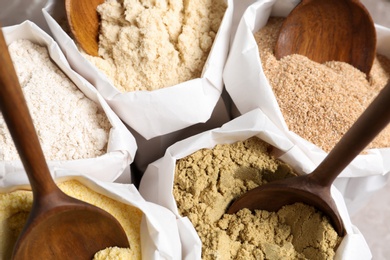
x: 69, y: 125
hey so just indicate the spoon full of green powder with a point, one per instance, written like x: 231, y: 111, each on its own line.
x: 315, y: 188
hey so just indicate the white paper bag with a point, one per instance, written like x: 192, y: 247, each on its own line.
x: 159, y: 228
x: 157, y: 183
x: 159, y: 112
x: 250, y: 78
x: 121, y: 147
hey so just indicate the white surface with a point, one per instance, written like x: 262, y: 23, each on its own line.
x: 380, y: 11
x: 372, y: 221
x: 17, y: 11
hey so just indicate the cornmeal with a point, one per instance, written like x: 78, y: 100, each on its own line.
x: 15, y: 207
x: 115, y: 253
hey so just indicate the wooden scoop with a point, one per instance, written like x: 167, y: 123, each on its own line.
x: 59, y: 226
x: 314, y: 189
x: 329, y: 30
x: 83, y: 21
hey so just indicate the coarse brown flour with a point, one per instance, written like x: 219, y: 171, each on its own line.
x: 69, y: 125
x: 320, y: 102
x: 147, y: 44
x: 207, y: 181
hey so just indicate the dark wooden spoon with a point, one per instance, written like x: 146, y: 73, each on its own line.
x: 59, y: 226
x: 314, y: 189
x: 329, y: 30
x: 83, y: 21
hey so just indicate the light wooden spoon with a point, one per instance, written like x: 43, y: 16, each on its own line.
x: 329, y: 30
x: 83, y: 21
x: 314, y: 189
x: 59, y: 226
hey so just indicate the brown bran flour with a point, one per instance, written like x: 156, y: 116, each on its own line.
x: 320, y: 102
x: 207, y: 181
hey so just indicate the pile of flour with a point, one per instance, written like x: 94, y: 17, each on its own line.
x: 148, y: 45
x: 69, y: 125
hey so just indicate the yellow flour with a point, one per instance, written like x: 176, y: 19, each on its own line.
x: 115, y: 253
x: 15, y: 207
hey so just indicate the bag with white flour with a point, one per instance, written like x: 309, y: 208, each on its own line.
x: 76, y: 127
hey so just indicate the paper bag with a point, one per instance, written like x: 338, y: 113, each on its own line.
x: 157, y: 183
x: 121, y: 147
x: 159, y: 228
x: 366, y: 174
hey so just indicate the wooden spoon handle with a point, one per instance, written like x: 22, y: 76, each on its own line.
x: 373, y: 120
x: 308, y: 1
x: 20, y: 125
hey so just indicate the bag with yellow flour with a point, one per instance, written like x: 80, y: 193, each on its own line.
x: 152, y: 230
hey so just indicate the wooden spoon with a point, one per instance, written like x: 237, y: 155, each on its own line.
x: 314, y: 189
x: 83, y: 21
x: 329, y: 30
x: 59, y: 226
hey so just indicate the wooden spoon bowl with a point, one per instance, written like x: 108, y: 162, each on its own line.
x: 59, y: 226
x: 329, y: 30
x: 67, y: 229
x: 83, y: 21
x: 315, y: 189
